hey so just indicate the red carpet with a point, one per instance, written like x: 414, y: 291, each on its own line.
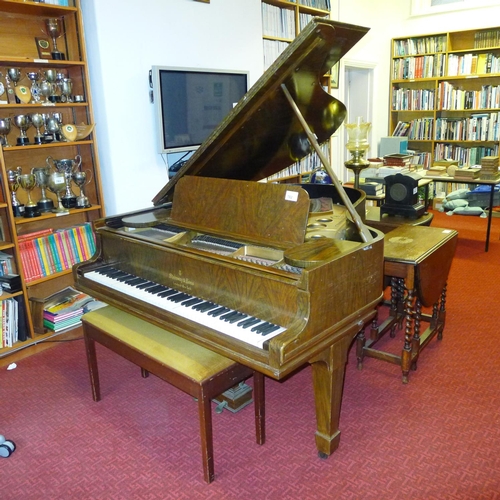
x: 436, y: 438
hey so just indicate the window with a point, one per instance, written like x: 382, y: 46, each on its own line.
x: 428, y: 7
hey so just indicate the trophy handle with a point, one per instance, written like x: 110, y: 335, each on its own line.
x: 48, y: 160
x: 78, y: 159
x: 89, y: 174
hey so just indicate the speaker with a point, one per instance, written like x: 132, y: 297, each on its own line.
x: 401, y: 196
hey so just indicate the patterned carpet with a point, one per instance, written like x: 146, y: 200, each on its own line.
x: 436, y: 438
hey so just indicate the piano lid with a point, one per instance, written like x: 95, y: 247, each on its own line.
x: 262, y: 135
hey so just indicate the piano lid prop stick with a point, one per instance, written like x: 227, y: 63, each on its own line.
x: 364, y: 232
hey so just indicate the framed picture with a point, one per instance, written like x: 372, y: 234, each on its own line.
x: 334, y: 76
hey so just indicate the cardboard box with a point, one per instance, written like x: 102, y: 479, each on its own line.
x: 437, y: 203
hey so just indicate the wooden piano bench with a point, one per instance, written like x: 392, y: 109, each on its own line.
x: 199, y: 372
x: 417, y: 261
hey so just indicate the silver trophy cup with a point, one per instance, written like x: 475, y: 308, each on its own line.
x: 45, y: 204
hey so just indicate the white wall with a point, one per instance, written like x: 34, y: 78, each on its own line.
x: 126, y: 37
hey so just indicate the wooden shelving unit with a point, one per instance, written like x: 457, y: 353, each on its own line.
x: 445, y: 89
x: 22, y: 22
x: 282, y: 20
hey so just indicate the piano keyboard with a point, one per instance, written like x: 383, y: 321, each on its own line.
x: 227, y: 321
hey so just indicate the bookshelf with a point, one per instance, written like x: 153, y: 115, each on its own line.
x: 52, y: 89
x: 282, y: 20
x: 445, y: 94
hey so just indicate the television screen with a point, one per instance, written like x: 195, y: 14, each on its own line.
x: 191, y: 103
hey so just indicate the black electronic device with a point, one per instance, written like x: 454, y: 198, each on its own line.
x: 401, y: 196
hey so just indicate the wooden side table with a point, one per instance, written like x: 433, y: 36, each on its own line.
x: 417, y: 261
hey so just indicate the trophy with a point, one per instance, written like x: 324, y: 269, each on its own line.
x: 57, y: 184
x: 45, y: 204
x: 46, y: 91
x: 13, y: 178
x: 23, y: 123
x: 81, y: 179
x: 37, y: 121
x: 13, y: 75
x: 66, y: 167
x: 28, y: 183
x: 54, y: 30
x: 53, y: 127
x: 51, y: 77
x: 4, y: 131
x: 66, y: 86
x: 34, y: 76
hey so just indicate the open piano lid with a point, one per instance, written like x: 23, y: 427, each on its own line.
x: 262, y: 135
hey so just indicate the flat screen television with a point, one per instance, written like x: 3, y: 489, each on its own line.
x: 190, y: 103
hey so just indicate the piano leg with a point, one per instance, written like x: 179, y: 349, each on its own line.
x: 328, y: 380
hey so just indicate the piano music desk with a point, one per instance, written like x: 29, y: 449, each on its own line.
x: 199, y: 372
x: 417, y: 260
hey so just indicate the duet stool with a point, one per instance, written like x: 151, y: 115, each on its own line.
x: 199, y: 372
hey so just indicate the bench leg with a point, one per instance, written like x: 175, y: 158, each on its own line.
x: 260, y: 408
x: 93, y: 371
x: 207, y: 446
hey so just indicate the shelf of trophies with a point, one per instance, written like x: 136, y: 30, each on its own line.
x: 51, y: 186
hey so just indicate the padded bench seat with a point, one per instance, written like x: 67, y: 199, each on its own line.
x: 199, y: 372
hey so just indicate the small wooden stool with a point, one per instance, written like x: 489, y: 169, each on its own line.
x: 199, y: 372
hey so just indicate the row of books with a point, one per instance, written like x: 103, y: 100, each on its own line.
x: 464, y: 156
x: 419, y: 129
x: 316, y: 4
x: 453, y: 98
x: 306, y: 164
x: 278, y: 22
x: 405, y: 99
x: 477, y: 127
x: 473, y: 64
x: 272, y: 49
x: 6, y: 264
x: 12, y: 322
x: 419, y: 67
x: 48, y: 251
x: 486, y: 38
x: 304, y: 20
x: 420, y: 45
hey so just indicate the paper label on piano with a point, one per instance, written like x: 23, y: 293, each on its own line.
x: 291, y: 195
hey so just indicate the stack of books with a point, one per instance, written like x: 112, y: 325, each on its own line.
x: 398, y: 160
x: 64, y: 310
x: 436, y: 170
x: 372, y: 188
x: 467, y: 173
x: 489, y: 168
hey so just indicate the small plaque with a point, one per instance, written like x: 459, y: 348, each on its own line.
x: 43, y: 46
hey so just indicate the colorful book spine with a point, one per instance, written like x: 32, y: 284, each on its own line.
x: 42, y: 259
x: 54, y: 251
x: 61, y: 250
x: 76, y: 247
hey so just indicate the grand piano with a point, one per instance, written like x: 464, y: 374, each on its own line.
x: 244, y: 267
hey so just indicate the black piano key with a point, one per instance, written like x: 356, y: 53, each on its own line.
x: 217, y: 312
x: 167, y: 293
x: 249, y: 322
x: 262, y: 327
x: 192, y: 301
x: 232, y: 316
x: 179, y: 297
x: 156, y: 288
x: 126, y: 277
x: 146, y: 285
x: 135, y: 280
x: 205, y: 306
x: 269, y: 330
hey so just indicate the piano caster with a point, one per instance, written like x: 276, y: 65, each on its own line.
x: 6, y: 447
x: 322, y: 455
